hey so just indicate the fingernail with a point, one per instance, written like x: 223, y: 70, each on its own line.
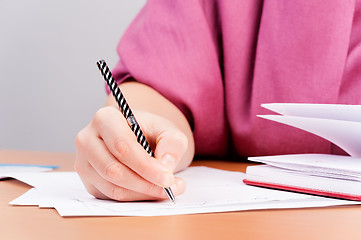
x: 168, y: 161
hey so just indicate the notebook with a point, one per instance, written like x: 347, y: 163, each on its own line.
x: 319, y: 174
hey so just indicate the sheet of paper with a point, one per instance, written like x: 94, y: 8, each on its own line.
x: 31, y: 198
x: 77, y: 208
x: 329, y: 165
x: 7, y: 168
x: 50, y: 187
x: 208, y: 190
x: 328, y: 111
x: 345, y: 134
x: 337, y: 123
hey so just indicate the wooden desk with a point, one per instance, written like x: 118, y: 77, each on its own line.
x: 33, y: 223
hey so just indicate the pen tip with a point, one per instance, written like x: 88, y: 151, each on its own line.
x: 169, y: 193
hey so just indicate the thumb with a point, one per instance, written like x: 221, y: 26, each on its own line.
x: 169, y: 143
x: 171, y: 147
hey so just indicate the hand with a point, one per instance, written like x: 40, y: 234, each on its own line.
x: 113, y: 165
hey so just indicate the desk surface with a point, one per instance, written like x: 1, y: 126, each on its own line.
x: 33, y: 223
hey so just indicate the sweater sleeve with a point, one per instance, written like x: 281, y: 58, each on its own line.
x: 173, y: 46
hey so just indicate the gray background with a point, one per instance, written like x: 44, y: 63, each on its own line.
x: 50, y: 86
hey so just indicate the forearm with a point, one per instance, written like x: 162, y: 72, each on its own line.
x: 145, y: 98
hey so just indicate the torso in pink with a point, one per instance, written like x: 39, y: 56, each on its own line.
x: 219, y: 60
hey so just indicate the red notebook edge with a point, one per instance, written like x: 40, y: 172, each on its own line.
x: 303, y: 190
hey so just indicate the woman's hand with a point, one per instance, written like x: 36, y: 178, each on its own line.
x: 113, y: 165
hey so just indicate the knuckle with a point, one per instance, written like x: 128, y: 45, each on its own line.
x: 113, y: 171
x: 152, y: 190
x: 100, y: 116
x: 181, y: 139
x: 80, y: 139
x: 121, y: 148
x: 117, y: 193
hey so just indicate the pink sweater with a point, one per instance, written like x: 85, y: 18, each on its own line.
x: 219, y: 60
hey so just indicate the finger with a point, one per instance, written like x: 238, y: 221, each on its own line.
x: 92, y: 155
x: 103, y: 189
x: 100, y: 188
x: 109, y: 168
x: 171, y: 147
x: 171, y: 143
x: 122, y: 143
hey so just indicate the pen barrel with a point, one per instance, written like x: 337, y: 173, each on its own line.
x: 123, y: 106
x: 141, y: 138
x: 113, y: 86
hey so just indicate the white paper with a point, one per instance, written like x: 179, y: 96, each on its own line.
x: 7, y: 168
x: 345, y: 134
x: 337, y: 123
x: 208, y: 190
x: 345, y: 167
x: 328, y: 111
x: 303, y: 180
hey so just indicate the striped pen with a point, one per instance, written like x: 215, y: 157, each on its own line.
x: 127, y: 113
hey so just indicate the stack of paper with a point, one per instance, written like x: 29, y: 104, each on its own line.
x: 321, y: 174
x: 208, y: 190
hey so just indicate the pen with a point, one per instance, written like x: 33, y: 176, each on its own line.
x: 127, y: 113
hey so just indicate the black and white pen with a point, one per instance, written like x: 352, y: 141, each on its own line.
x: 127, y: 113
